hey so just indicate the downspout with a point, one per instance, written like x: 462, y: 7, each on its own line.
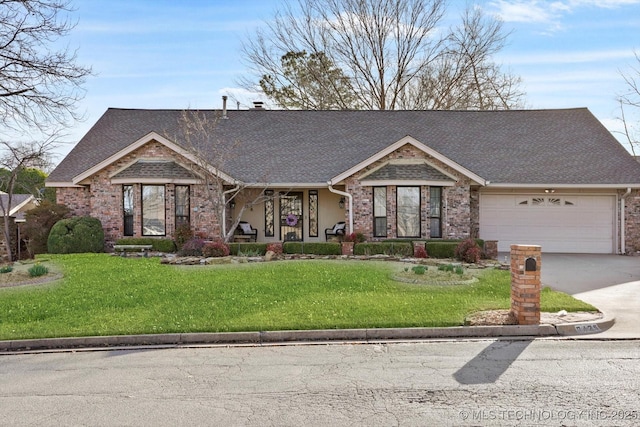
x: 622, y: 220
x: 224, y: 208
x: 350, y: 198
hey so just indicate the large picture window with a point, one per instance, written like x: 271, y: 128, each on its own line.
x: 435, y: 212
x: 408, y: 211
x: 153, y: 210
x: 127, y: 209
x: 182, y: 205
x: 380, y: 211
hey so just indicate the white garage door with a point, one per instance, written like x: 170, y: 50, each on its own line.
x: 558, y: 223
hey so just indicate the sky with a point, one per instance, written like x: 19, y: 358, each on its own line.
x: 187, y: 53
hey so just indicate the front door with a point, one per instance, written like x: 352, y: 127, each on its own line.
x: 291, y: 219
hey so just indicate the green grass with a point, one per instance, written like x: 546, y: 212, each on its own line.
x: 106, y: 295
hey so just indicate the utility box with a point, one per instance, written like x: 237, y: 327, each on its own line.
x: 526, y: 261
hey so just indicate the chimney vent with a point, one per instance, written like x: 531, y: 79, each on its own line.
x: 224, y: 107
x: 257, y: 105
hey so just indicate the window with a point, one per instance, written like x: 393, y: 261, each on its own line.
x: 435, y: 212
x: 380, y: 211
x: 127, y: 209
x: 313, y: 213
x: 269, y: 225
x: 153, y: 210
x: 408, y: 212
x: 182, y: 205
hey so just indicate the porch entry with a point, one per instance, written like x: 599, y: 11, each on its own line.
x: 291, y: 218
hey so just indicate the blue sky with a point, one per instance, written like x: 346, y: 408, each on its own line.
x: 186, y: 54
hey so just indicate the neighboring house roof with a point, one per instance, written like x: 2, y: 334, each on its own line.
x: 513, y: 147
x: 18, y: 201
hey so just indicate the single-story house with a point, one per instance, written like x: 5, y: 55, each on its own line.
x: 556, y: 178
x: 20, y: 204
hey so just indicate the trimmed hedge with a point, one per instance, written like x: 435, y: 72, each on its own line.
x: 159, y: 245
x: 76, y: 235
x: 441, y: 249
x: 445, y: 248
x: 246, y: 248
x: 401, y: 248
x: 321, y: 248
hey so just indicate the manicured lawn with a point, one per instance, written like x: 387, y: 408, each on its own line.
x: 106, y: 295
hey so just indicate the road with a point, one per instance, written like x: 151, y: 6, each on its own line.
x: 483, y: 382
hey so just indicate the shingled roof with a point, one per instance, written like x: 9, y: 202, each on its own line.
x: 521, y: 147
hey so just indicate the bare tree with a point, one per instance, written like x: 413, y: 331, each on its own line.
x: 464, y: 76
x: 630, y: 106
x: 15, y: 157
x: 391, y: 52
x: 210, y: 159
x: 39, y: 84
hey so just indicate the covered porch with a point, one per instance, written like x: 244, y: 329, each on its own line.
x: 286, y: 214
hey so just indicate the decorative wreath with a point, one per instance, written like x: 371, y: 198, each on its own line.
x: 292, y: 220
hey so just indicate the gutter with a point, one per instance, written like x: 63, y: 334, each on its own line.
x: 349, y: 197
x: 622, y: 220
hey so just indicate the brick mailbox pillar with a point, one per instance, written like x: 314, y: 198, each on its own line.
x: 526, y: 261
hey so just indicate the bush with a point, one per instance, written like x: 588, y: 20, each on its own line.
x: 38, y: 224
x: 159, y: 245
x: 243, y: 249
x: 397, y: 248
x: 215, y: 249
x: 419, y: 269
x: 192, y: 247
x: 356, y: 237
x: 468, y: 251
x: 38, y: 270
x: 321, y: 248
x: 420, y: 252
x: 183, y: 234
x: 6, y: 269
x: 438, y: 249
x: 76, y: 235
x: 276, y: 248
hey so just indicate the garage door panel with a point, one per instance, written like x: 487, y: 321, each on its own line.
x: 582, y: 224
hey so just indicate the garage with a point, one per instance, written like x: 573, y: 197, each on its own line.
x: 558, y: 223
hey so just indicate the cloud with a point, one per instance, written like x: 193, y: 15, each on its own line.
x: 549, y: 12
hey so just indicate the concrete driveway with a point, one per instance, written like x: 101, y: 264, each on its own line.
x: 609, y: 282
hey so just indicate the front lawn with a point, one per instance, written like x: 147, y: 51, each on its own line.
x: 106, y: 295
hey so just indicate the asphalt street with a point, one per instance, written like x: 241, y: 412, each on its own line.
x: 462, y: 383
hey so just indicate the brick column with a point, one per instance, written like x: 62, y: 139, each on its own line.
x: 526, y: 261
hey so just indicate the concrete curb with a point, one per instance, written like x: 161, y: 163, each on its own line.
x: 310, y: 336
x: 585, y: 328
x: 274, y: 337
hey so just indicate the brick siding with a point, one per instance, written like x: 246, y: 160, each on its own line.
x: 101, y: 199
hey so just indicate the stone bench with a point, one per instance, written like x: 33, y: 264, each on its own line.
x: 123, y: 249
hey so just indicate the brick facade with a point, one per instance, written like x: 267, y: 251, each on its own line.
x: 101, y: 199
x: 632, y: 223
x: 456, y: 200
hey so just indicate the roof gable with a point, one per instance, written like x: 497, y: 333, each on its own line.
x: 398, y: 144
x: 151, y: 136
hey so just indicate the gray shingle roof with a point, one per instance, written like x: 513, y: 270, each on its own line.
x: 567, y: 146
x: 407, y: 172
x: 155, y: 169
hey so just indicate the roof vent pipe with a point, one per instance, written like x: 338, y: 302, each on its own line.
x: 224, y: 107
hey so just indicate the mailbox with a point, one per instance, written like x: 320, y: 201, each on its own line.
x: 530, y: 264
